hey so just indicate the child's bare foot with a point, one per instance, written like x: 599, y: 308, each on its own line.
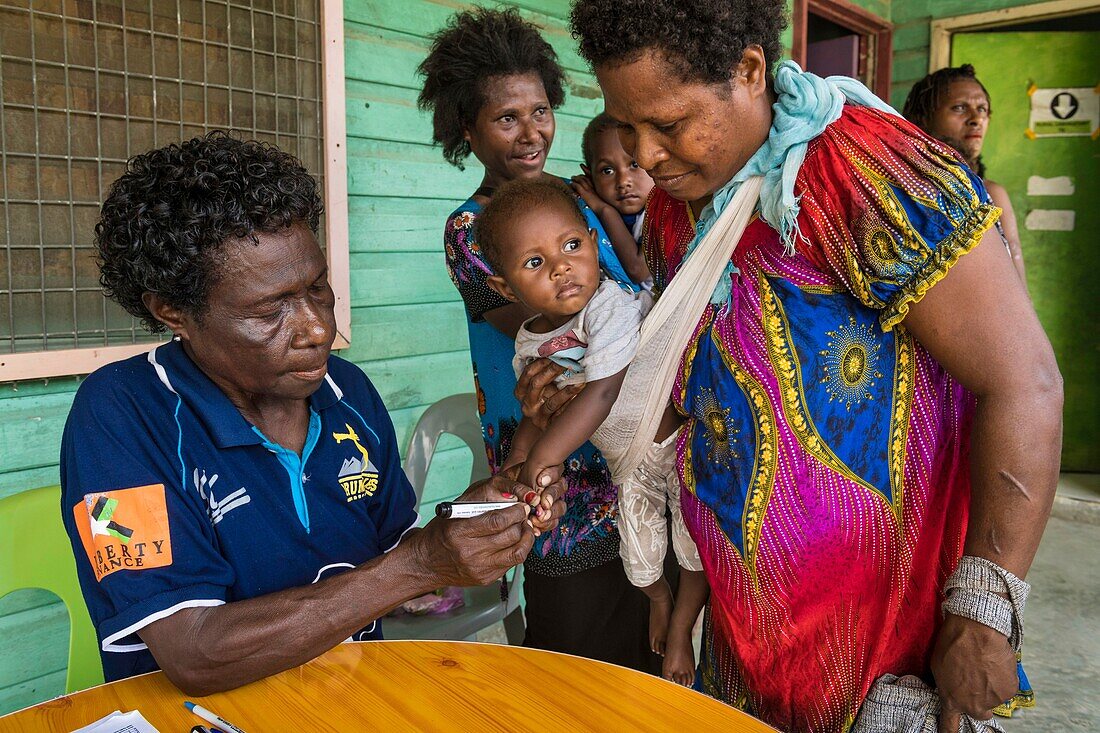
x: 660, y: 611
x: 679, y: 664
x: 659, y: 593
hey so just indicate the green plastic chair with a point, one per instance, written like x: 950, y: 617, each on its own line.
x: 456, y: 415
x: 30, y: 527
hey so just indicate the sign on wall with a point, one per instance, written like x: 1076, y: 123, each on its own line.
x: 1064, y: 112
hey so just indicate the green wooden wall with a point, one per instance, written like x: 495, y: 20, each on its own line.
x: 1060, y: 265
x: 912, y: 22
x: 34, y: 635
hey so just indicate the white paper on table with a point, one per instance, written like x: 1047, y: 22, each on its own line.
x: 119, y: 722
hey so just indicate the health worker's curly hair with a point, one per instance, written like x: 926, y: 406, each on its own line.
x: 166, y: 220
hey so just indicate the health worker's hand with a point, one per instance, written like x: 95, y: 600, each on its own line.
x: 474, y: 551
x: 539, y: 397
x: 975, y: 671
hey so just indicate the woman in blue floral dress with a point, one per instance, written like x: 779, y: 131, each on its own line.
x: 492, y: 83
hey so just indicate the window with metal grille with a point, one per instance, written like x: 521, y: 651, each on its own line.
x: 86, y: 84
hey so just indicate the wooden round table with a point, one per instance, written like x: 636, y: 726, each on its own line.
x: 413, y: 685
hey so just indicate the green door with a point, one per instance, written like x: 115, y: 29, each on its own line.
x: 1062, y: 266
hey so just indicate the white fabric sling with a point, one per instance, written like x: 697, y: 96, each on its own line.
x: 629, y: 430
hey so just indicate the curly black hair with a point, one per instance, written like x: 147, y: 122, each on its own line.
x: 702, y: 39
x: 475, y: 46
x: 166, y: 219
x: 927, y: 95
x: 595, y: 126
x: 516, y: 199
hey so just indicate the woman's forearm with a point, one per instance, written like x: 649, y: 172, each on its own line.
x: 1015, y: 451
x: 206, y: 650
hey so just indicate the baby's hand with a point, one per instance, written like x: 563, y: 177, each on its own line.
x: 539, y: 498
x: 538, y: 477
x: 584, y: 188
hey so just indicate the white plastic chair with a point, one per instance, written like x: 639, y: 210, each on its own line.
x: 456, y: 415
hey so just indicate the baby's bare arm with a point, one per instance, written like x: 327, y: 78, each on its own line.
x: 572, y: 427
x: 527, y: 434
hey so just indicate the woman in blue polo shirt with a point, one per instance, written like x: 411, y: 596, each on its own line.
x: 234, y: 497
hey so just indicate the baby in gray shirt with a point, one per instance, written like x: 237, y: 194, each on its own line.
x: 546, y: 258
x: 598, y: 342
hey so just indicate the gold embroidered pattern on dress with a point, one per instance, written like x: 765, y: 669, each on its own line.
x: 850, y: 362
x: 793, y: 397
x: 720, y: 435
x: 904, y: 389
x: 765, y: 461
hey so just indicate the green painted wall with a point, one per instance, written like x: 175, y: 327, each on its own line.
x: 912, y: 20
x: 1061, y: 266
x: 34, y: 635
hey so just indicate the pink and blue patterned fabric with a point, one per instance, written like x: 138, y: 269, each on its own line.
x: 825, y: 455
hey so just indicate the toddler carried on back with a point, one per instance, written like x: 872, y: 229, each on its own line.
x: 535, y: 238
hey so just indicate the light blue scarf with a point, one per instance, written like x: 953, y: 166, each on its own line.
x: 806, y: 105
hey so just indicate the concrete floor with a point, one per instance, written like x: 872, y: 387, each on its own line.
x: 1062, y: 619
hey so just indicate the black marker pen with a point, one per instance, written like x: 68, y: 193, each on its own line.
x: 467, y: 509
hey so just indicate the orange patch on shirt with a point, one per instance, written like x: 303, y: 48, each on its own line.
x: 125, y: 529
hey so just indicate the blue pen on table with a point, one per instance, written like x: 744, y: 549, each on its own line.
x: 211, y: 717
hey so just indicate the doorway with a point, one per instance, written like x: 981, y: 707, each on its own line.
x: 1052, y: 181
x: 836, y: 37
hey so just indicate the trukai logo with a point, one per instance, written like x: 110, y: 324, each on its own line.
x: 358, y: 476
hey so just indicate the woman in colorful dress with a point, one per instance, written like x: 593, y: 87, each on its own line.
x: 492, y: 84
x: 873, y: 411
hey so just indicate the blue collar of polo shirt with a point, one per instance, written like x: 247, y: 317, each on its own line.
x: 221, y: 417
